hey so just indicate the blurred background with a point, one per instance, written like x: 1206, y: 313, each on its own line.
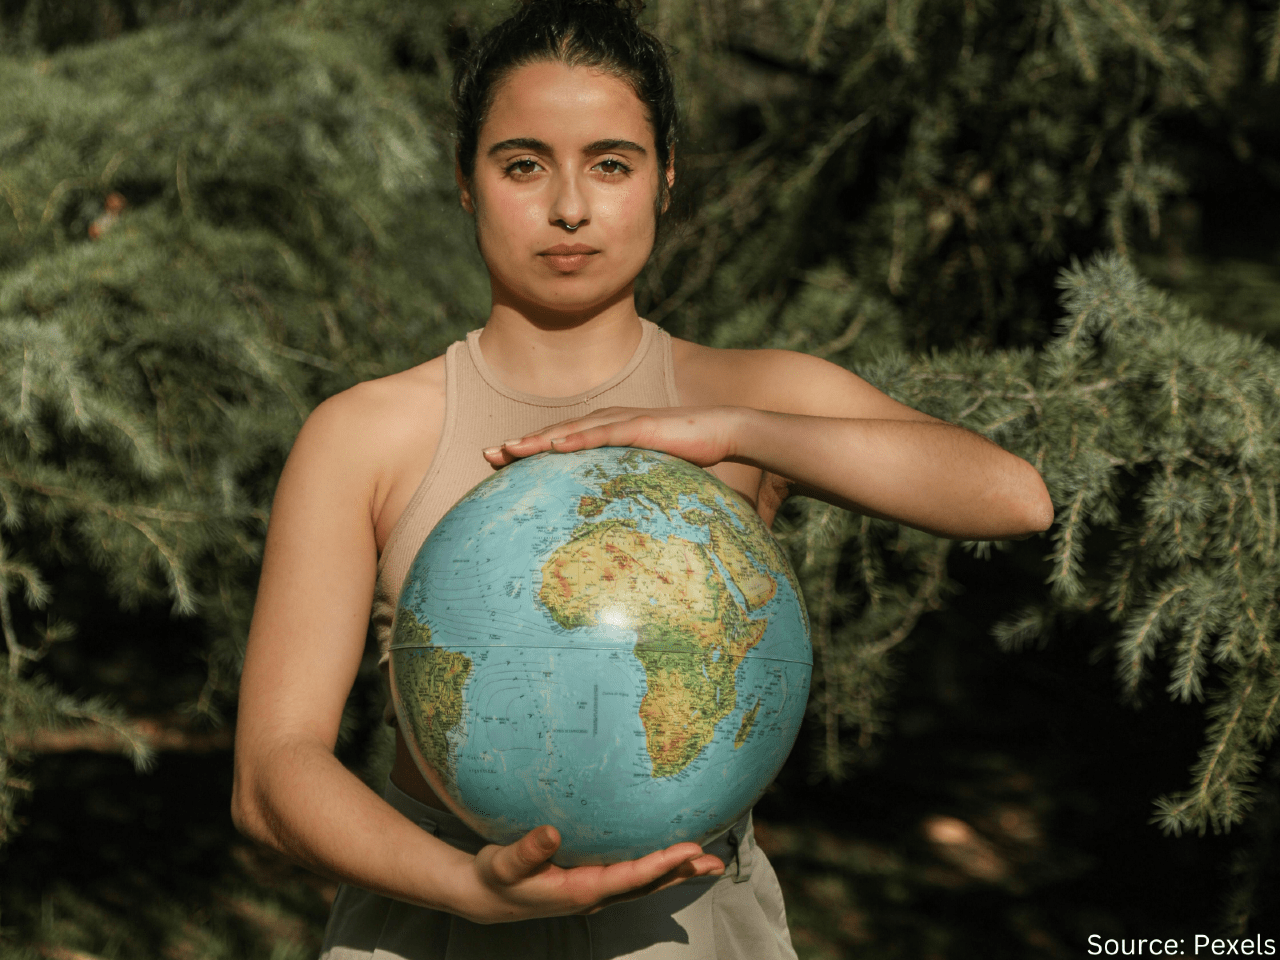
x: 1054, y: 221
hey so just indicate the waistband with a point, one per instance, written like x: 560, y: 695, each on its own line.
x: 735, y: 847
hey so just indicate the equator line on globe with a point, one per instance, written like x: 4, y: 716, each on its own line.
x: 609, y: 641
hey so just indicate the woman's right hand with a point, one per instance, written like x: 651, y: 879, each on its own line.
x: 305, y: 647
x: 518, y: 881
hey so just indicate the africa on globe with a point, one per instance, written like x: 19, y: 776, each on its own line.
x: 609, y: 641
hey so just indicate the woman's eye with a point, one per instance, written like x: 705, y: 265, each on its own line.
x: 523, y: 166
x: 611, y: 166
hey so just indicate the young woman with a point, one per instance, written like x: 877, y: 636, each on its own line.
x: 565, y: 158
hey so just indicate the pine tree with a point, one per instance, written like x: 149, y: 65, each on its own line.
x: 969, y: 147
x: 917, y: 177
x: 207, y: 229
x: 209, y: 223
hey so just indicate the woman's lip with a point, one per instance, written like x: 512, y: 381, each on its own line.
x: 567, y: 258
x: 568, y: 249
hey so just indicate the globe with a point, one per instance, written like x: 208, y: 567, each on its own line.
x: 609, y: 641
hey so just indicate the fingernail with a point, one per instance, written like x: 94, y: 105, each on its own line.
x: 492, y: 451
x: 509, y: 443
x: 555, y: 440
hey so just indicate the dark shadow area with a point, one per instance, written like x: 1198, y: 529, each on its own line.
x: 1009, y: 814
x: 122, y: 864
x: 1008, y: 817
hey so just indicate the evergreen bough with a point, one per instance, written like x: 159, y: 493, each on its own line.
x: 1148, y: 424
x: 207, y: 227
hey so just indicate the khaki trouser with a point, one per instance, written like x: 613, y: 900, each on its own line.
x: 735, y: 917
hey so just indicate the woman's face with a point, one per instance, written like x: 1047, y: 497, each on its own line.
x: 561, y: 147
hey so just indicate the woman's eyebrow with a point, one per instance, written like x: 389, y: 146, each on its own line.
x: 533, y: 145
x: 521, y: 143
x: 608, y: 146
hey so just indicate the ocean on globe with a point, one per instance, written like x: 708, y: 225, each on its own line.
x: 609, y: 641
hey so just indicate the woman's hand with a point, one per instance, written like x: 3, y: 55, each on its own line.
x: 916, y: 470
x: 517, y: 881
x: 702, y: 435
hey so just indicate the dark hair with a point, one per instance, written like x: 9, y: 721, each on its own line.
x: 603, y: 34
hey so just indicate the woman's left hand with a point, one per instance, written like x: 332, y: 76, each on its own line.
x: 702, y: 435
x: 913, y: 469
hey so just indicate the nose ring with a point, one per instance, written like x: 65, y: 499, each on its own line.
x: 570, y: 227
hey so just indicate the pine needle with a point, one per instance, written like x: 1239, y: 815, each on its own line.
x: 1070, y: 18
x: 1140, y: 638
x: 813, y: 48
x: 1271, y: 64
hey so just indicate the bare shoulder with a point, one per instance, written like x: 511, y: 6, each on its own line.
x: 389, y: 400
x: 780, y: 380
x: 368, y: 438
x: 381, y: 414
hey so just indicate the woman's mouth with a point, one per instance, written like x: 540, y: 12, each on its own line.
x: 568, y: 257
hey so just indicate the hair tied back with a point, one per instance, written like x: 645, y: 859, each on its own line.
x: 599, y: 34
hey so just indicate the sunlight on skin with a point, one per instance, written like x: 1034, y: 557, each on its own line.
x: 561, y: 147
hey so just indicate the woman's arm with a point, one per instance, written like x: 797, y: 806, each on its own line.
x: 834, y: 436
x: 305, y: 645
x: 930, y: 475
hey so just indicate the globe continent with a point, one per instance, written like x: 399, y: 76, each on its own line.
x: 609, y: 641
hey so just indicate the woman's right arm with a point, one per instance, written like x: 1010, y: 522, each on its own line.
x: 305, y: 645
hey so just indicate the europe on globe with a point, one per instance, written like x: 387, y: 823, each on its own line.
x: 609, y: 641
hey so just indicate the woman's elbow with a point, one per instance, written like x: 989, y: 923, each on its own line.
x: 243, y: 815
x: 248, y: 813
x: 1035, y: 508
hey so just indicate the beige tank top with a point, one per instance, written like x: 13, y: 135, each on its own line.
x: 480, y: 411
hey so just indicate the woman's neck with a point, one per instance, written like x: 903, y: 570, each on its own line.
x: 559, y: 360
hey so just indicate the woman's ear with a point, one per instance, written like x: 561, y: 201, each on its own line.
x: 671, y: 180
x: 464, y: 189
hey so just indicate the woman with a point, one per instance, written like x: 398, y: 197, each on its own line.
x: 565, y: 158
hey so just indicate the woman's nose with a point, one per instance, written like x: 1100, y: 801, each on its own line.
x: 569, y: 206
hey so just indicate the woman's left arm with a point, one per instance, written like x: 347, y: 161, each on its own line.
x: 836, y: 438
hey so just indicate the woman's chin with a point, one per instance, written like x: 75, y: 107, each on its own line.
x: 572, y: 297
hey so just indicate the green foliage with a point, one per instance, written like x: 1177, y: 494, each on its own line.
x: 247, y: 216
x: 913, y: 176
x: 209, y: 223
x: 948, y: 155
x: 1158, y: 438
x: 1160, y: 430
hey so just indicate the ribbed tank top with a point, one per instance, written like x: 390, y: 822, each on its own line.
x: 479, y: 412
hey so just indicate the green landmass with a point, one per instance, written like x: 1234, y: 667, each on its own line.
x: 745, y: 727
x: 663, y: 636
x: 663, y: 483
x: 681, y: 708
x: 690, y: 641
x: 746, y: 548
x: 591, y: 506
x: 696, y: 517
x: 430, y: 681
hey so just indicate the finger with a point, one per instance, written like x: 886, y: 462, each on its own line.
x: 623, y: 878
x: 528, y: 446
x: 525, y: 857
x: 705, y: 865
x: 628, y: 433
x: 510, y: 451
x: 539, y: 442
x: 574, y: 441
x: 598, y: 418
x: 616, y: 426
